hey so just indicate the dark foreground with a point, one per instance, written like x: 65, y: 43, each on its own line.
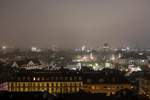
x: 74, y: 96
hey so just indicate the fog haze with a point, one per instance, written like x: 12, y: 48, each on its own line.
x: 72, y: 23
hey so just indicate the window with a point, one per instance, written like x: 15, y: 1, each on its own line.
x: 80, y: 78
x: 52, y: 78
x: 75, y: 78
x: 24, y: 85
x: 24, y: 78
x: 61, y: 78
x: 34, y: 78
x: 70, y: 78
x: 72, y: 84
x: 14, y: 84
x: 41, y: 84
x: 28, y: 78
x: 19, y: 78
x: 101, y: 80
x: 45, y: 84
x: 55, y: 84
x: 38, y: 79
x: 36, y: 84
x: 89, y: 80
x: 93, y: 87
x: 66, y: 78
x: 56, y: 78
x: 58, y: 84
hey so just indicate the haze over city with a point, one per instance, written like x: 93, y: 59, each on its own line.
x: 72, y: 23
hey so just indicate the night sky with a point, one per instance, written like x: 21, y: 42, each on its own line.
x: 72, y: 23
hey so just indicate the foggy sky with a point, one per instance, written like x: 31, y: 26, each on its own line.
x: 72, y: 23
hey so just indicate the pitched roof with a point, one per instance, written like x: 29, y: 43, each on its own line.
x: 26, y: 61
x: 98, y: 77
x: 133, y: 55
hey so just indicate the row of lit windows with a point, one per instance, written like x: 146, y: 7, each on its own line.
x: 45, y: 84
x: 134, y: 61
x: 110, y: 87
x: 49, y: 78
x: 50, y: 90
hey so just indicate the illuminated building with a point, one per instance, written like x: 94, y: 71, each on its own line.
x: 68, y: 82
x: 53, y: 82
x: 133, y: 59
x: 101, y: 83
x: 35, y: 49
x: 4, y: 47
x: 28, y: 64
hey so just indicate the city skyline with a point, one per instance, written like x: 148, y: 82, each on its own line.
x: 73, y: 23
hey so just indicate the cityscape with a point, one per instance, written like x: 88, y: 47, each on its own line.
x: 55, y: 71
x: 74, y: 49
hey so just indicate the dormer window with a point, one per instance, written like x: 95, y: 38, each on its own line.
x: 89, y: 80
x: 34, y: 78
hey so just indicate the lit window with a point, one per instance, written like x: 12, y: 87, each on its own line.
x: 34, y: 78
x: 58, y: 84
x: 93, y: 87
x: 38, y: 79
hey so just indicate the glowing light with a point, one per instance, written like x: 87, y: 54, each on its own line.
x: 4, y: 47
x: 141, y: 54
x: 127, y: 48
x: 34, y: 78
x: 91, y: 56
x: 143, y: 61
x: 119, y: 55
x: 134, y: 69
x: 33, y: 49
x: 107, y: 65
x: 113, y: 57
x: 83, y: 47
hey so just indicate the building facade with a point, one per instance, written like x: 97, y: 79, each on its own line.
x: 29, y: 64
x: 144, y: 85
x: 138, y: 59
x: 67, y: 82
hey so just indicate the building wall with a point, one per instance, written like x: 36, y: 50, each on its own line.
x: 144, y: 86
x: 105, y: 88
x: 132, y: 61
x: 51, y: 87
x: 66, y: 87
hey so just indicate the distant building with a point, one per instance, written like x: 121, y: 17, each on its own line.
x: 103, y: 83
x: 138, y: 59
x: 29, y: 64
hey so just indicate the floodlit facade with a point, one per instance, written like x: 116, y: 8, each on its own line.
x: 29, y: 64
x: 133, y: 59
x: 67, y: 82
x: 54, y: 83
